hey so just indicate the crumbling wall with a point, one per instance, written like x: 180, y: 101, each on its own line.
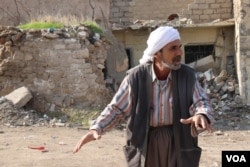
x: 61, y: 67
x: 117, y: 62
x: 242, y: 38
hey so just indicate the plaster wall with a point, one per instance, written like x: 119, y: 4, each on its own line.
x: 135, y: 41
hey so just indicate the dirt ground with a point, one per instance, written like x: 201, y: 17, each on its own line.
x: 16, y: 143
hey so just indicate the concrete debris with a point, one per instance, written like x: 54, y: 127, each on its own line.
x: 203, y: 64
x: 50, y: 35
x: 177, y: 22
x: 11, y: 116
x: 229, y: 108
x: 19, y: 97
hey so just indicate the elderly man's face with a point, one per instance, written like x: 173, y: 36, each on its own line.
x: 171, y: 55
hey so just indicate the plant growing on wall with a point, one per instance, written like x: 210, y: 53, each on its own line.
x: 94, y: 31
x: 41, y: 25
x: 93, y: 26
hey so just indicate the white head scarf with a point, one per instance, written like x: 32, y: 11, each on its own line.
x: 157, y: 40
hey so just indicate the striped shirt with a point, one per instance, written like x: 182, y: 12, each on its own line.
x: 161, y: 112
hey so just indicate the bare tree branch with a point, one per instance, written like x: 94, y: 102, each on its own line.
x: 26, y: 10
x: 105, y: 20
x: 18, y: 17
x: 9, y: 16
x: 5, y: 11
x: 93, y: 10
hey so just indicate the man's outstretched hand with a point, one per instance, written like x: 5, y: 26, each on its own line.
x: 199, y: 121
x: 90, y: 136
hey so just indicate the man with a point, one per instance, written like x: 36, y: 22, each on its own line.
x: 163, y: 104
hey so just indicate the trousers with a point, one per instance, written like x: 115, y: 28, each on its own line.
x: 161, y: 147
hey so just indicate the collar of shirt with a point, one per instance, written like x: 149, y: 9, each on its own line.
x: 155, y: 79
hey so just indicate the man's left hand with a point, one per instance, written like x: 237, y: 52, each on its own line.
x: 200, y: 122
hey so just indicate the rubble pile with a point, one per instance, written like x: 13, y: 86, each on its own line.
x: 13, y: 111
x: 230, y: 111
x: 10, y: 115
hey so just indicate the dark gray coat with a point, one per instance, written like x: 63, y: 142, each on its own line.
x: 140, y: 79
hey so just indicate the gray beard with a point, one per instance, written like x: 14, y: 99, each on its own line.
x: 171, y: 66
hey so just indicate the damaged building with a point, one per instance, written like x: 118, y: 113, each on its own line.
x: 215, y: 33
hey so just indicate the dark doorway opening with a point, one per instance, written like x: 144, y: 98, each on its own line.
x: 129, y: 54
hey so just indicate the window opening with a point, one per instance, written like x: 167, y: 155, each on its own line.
x: 196, y: 52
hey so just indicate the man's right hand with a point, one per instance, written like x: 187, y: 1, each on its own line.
x: 90, y: 136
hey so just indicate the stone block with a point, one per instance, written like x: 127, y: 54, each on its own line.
x: 121, y: 4
x: 28, y: 57
x: 226, y: 5
x: 214, y: 6
x: 210, y: 1
x: 215, y: 16
x: 19, y: 97
x: 186, y: 12
x: 208, y: 11
x: 193, y: 6
x: 73, y: 46
x: 114, y: 9
x: 203, y: 6
x: 226, y: 16
x: 198, y: 12
x: 195, y: 17
x: 221, y: 1
x: 118, y: 14
x: 59, y: 46
x: 203, y: 64
x: 204, y: 17
x: 200, y: 1
x: 72, y: 40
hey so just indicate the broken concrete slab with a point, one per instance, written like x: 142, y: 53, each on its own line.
x: 203, y: 64
x: 209, y: 74
x: 19, y: 97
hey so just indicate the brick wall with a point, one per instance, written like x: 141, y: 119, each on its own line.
x: 158, y: 9
x: 242, y: 39
x: 124, y: 12
x: 120, y: 12
x: 203, y: 11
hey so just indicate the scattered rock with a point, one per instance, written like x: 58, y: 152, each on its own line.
x: 229, y: 110
x: 19, y: 97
